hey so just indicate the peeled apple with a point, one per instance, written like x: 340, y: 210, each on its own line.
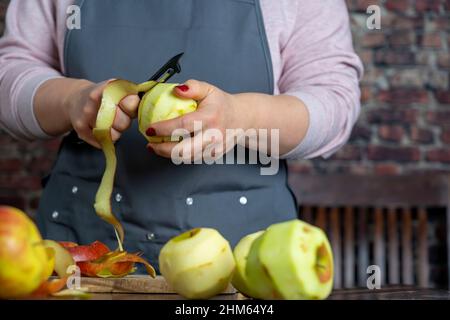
x: 258, y: 278
x: 24, y: 262
x: 158, y: 104
x: 291, y: 260
x: 161, y: 104
x: 241, y: 252
x: 198, y: 264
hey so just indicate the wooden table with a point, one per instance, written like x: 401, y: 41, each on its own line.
x: 354, y: 294
x: 145, y: 288
x: 391, y: 293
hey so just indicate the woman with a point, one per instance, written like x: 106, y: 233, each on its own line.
x: 286, y: 65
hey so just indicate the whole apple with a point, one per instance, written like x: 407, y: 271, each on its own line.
x: 198, y: 264
x: 24, y: 260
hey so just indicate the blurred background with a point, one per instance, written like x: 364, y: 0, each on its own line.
x: 403, y: 130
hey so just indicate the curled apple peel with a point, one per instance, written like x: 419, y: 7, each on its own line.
x: 158, y: 104
x: 96, y: 260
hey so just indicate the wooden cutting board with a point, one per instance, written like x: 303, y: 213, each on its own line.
x: 132, y: 284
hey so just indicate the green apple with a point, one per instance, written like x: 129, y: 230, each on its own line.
x: 197, y: 264
x: 259, y: 279
x: 298, y: 259
x: 161, y: 104
x: 241, y: 252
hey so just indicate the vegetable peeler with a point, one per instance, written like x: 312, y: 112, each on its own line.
x: 166, y: 72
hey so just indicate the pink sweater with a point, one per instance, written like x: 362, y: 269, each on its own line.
x: 310, y: 44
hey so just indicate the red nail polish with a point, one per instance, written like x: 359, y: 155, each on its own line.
x: 150, y: 132
x: 183, y: 88
x: 150, y: 149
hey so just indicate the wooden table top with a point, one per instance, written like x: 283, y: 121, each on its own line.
x: 391, y: 293
x: 142, y: 287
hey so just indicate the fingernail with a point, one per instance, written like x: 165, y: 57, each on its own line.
x: 150, y: 132
x: 150, y: 149
x: 183, y: 88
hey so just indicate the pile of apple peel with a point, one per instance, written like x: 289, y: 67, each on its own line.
x: 159, y: 103
x: 97, y: 260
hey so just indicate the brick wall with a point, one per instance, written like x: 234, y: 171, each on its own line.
x: 405, y: 122
x: 404, y: 126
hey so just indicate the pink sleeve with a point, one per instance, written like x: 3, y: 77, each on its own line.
x: 28, y: 57
x: 320, y: 67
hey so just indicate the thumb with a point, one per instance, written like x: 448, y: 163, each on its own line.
x: 193, y: 89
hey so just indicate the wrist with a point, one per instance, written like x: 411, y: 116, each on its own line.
x: 241, y: 105
x: 74, y: 92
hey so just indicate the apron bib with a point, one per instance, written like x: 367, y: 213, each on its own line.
x: 225, y: 44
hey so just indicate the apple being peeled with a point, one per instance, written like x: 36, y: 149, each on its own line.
x: 298, y: 260
x: 25, y: 263
x: 241, y: 251
x: 161, y: 104
x: 198, y: 264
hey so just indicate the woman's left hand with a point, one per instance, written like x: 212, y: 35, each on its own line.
x: 216, y: 110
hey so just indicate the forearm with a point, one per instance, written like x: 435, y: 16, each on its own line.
x: 285, y: 113
x: 51, y: 104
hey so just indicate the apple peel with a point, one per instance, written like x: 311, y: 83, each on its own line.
x: 62, y: 258
x: 50, y: 287
x: 96, y: 260
x: 114, y: 264
x: 113, y: 94
x: 83, y: 253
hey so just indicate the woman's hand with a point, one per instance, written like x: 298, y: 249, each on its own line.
x: 271, y: 124
x: 65, y: 104
x: 82, y: 107
x: 216, y: 110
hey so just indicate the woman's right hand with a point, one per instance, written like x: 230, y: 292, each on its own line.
x: 65, y: 104
x: 82, y: 106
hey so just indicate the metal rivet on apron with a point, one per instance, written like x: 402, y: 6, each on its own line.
x: 150, y: 236
x: 243, y: 200
x: 189, y: 201
x: 74, y: 189
x: 55, y: 214
x: 118, y: 197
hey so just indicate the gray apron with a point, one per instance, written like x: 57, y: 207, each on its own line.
x: 225, y: 44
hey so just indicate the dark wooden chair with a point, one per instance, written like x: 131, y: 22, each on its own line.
x: 375, y: 220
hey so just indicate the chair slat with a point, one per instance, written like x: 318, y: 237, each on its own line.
x: 407, y: 251
x: 307, y: 214
x: 336, y: 246
x: 349, y: 249
x: 422, y: 239
x: 363, y: 247
x: 379, y: 246
x: 393, y: 260
x: 321, y: 219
